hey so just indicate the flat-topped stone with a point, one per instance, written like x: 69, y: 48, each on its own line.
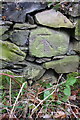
x: 52, y: 18
x: 24, y: 26
x: 65, y: 65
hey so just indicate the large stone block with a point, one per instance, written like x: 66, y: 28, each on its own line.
x: 52, y: 18
x: 65, y: 65
x: 47, y: 43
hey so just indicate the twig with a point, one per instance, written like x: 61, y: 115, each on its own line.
x: 11, y: 116
x: 78, y: 77
x: 53, y: 87
x: 72, y: 111
x: 10, y: 92
x: 11, y: 76
x: 72, y: 105
x: 46, y: 98
x: 42, y: 102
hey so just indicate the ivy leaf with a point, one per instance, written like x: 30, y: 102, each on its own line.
x: 67, y: 91
x: 70, y: 81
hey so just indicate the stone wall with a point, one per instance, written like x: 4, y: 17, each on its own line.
x: 39, y: 42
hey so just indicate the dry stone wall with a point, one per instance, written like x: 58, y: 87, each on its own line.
x: 38, y: 42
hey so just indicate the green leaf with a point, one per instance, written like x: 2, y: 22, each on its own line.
x: 59, y: 102
x: 46, y: 93
x: 49, y: 4
x: 57, y: 6
x: 67, y: 91
x: 70, y: 81
x: 48, y: 85
x: 65, y: 98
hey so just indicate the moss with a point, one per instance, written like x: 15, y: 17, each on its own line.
x: 77, y: 30
x: 10, y: 52
x: 47, y: 43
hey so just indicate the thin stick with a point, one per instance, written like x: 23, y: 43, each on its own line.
x: 11, y: 116
x: 53, y: 87
x: 72, y: 111
x: 46, y: 98
x: 42, y: 102
x: 11, y: 76
x: 10, y: 92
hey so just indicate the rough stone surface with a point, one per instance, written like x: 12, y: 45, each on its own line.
x: 33, y: 72
x: 75, y: 10
x: 29, y: 58
x: 77, y: 29
x: 47, y: 43
x: 19, y: 37
x: 49, y: 77
x: 24, y: 48
x: 17, y: 12
x: 3, y: 29
x: 5, y: 64
x: 10, y: 52
x: 76, y: 46
x: 24, y: 26
x: 5, y: 23
x: 42, y: 60
x: 16, y: 67
x: 65, y: 65
x: 37, y: 42
x: 54, y: 19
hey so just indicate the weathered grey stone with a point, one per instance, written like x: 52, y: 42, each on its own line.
x: 19, y: 37
x: 42, y: 60
x: 65, y: 65
x: 5, y: 23
x: 4, y: 64
x: 29, y: 58
x: 3, y: 29
x: 5, y: 36
x: 49, y: 77
x: 16, y: 67
x: 77, y: 29
x: 17, y: 12
x: 57, y: 57
x: 24, y: 49
x: 10, y: 52
x: 76, y: 46
x: 70, y: 48
x: 71, y: 52
x: 74, y: 11
x: 33, y: 72
x: 24, y: 26
x: 47, y: 43
x: 54, y: 19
